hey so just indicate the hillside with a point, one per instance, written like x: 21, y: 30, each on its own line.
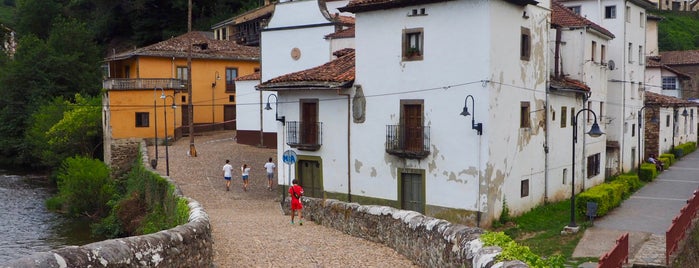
x: 6, y: 10
x: 678, y: 30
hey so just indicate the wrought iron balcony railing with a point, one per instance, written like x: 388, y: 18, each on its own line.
x: 307, y: 136
x: 144, y: 83
x: 408, y: 142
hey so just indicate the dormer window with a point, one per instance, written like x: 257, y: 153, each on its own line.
x: 413, y: 47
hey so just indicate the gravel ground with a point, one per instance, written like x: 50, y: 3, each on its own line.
x: 249, y: 229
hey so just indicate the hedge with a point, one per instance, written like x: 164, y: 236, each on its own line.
x: 684, y: 149
x: 667, y: 159
x: 608, y: 195
x: 648, y: 172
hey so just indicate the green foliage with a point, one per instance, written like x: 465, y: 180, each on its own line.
x: 633, y: 181
x: 648, y: 171
x: 684, y: 149
x: 678, y: 30
x: 505, y: 213
x: 85, y: 187
x: 610, y: 195
x: 668, y: 159
x: 147, y: 204
x: 513, y: 251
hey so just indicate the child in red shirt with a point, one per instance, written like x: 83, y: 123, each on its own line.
x: 296, y: 191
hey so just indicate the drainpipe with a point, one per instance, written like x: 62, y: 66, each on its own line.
x: 349, y: 173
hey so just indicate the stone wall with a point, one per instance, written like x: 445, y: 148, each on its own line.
x: 121, y: 155
x: 427, y: 241
x: 187, y: 245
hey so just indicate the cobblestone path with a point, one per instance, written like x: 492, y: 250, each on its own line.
x: 249, y: 229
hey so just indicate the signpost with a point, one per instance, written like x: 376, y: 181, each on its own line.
x: 289, y: 158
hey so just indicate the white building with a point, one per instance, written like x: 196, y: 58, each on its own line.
x: 626, y: 61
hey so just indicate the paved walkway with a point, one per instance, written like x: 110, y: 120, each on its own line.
x: 646, y: 215
x: 249, y: 229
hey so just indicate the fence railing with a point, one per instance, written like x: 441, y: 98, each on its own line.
x: 676, y: 232
x: 144, y: 83
x: 307, y: 136
x: 408, y: 141
x: 617, y: 255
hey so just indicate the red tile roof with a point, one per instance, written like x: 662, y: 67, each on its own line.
x: 369, y: 5
x: 568, y: 83
x: 686, y: 57
x: 250, y: 77
x: 563, y: 16
x: 203, y: 47
x: 334, y: 74
x: 347, y: 20
x: 345, y: 33
x: 662, y: 100
x: 655, y: 62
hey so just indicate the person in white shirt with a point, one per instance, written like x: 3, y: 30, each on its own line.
x: 227, y: 174
x: 269, y: 166
x: 246, y: 175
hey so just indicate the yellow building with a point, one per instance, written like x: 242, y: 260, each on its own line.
x: 147, y: 87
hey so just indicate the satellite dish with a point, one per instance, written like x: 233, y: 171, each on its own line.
x: 611, y: 64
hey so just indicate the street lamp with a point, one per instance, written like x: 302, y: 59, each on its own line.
x: 154, y: 164
x: 213, y: 92
x: 276, y: 110
x: 479, y: 126
x: 167, y: 157
x: 594, y: 132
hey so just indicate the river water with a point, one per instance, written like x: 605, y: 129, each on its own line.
x: 26, y: 226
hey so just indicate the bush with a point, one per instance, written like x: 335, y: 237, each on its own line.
x: 513, y: 251
x: 684, y: 149
x: 84, y: 187
x: 632, y: 181
x: 668, y: 159
x: 648, y: 172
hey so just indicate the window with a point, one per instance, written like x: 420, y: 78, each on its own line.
x: 589, y: 112
x: 633, y: 130
x: 142, y: 119
x: 630, y: 53
x: 575, y: 9
x: 627, y: 15
x: 572, y: 115
x: 127, y: 71
x: 610, y: 12
x: 564, y: 113
x: 183, y: 99
x: 642, y: 19
x: 594, y: 51
x: 231, y: 98
x: 525, y: 44
x: 524, y: 115
x: 603, y: 54
x: 667, y: 121
x: 641, y: 57
x: 669, y: 83
x: 182, y: 73
x: 413, y: 46
x: 524, y: 188
x: 231, y: 75
x: 593, y: 165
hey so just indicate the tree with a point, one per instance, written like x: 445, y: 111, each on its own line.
x: 84, y: 187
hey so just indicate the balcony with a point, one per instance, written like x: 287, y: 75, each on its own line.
x: 144, y: 83
x: 305, y: 136
x: 408, y: 142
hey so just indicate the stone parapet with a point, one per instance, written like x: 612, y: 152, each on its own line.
x: 427, y: 241
x: 187, y: 245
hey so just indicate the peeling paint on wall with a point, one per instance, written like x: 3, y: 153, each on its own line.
x: 357, y: 166
x: 452, y: 177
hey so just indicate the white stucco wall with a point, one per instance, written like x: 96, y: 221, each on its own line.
x: 296, y: 24
x: 654, y: 80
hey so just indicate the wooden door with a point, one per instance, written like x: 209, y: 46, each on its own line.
x: 310, y: 178
x: 309, y: 119
x: 412, y: 127
x: 229, y: 117
x: 185, y: 119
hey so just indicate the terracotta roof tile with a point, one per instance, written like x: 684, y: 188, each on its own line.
x: 563, y: 16
x: 568, y: 83
x: 203, y: 46
x: 250, y: 77
x: 655, y: 62
x: 662, y: 100
x: 344, y: 19
x: 334, y: 74
x: 368, y: 5
x: 686, y: 57
x: 346, y: 33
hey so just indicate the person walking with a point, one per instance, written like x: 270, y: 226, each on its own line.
x: 296, y: 192
x: 246, y: 175
x: 227, y: 174
x: 270, y: 173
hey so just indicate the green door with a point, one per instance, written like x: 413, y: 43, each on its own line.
x: 310, y: 178
x: 412, y: 197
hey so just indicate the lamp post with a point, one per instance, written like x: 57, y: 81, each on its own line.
x: 167, y: 157
x: 154, y: 164
x: 477, y: 126
x: 213, y: 94
x: 276, y: 110
x: 594, y: 132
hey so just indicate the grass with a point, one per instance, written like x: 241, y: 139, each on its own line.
x: 6, y: 14
x: 540, y: 230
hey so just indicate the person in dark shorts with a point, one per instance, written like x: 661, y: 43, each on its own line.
x: 227, y: 174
